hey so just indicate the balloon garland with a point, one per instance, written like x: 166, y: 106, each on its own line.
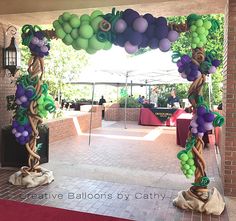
x: 132, y: 31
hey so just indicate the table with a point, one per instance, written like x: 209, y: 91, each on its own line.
x: 182, y: 129
x: 159, y: 116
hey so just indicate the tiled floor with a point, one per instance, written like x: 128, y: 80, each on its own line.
x: 130, y: 173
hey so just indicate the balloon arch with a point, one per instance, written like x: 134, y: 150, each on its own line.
x: 132, y: 31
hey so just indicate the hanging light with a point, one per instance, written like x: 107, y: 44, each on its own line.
x: 11, y: 54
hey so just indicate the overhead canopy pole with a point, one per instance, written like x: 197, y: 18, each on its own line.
x: 126, y: 81
x: 91, y: 115
x: 146, y: 89
x: 131, y: 88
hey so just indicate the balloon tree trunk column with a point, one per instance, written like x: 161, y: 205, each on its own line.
x: 33, y: 102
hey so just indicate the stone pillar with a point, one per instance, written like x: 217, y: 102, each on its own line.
x: 228, y: 156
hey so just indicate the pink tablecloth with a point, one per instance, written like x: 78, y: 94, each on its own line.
x: 148, y: 118
x: 182, y: 128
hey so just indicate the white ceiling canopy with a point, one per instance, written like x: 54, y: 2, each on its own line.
x: 152, y: 67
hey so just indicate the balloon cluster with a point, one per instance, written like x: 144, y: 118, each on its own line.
x: 134, y: 31
x: 81, y: 32
x: 39, y: 44
x: 199, y: 29
x: 23, y: 95
x: 45, y: 105
x: 202, y: 121
x: 187, y: 68
x: 22, y: 133
x: 209, y: 65
x: 187, y: 163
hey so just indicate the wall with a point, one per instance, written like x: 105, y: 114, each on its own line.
x: 6, y: 88
x: 228, y: 162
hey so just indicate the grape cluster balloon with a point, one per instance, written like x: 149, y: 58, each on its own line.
x: 188, y: 69
x: 187, y: 163
x: 22, y: 133
x: 199, y: 29
x: 134, y: 31
x: 45, y: 105
x: 202, y: 121
x: 81, y: 33
x: 39, y: 44
x: 23, y: 95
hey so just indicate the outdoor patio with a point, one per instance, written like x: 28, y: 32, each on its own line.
x: 142, y: 162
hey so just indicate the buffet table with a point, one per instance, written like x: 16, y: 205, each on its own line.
x: 159, y: 116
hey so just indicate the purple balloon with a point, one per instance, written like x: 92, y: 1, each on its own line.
x: 40, y: 43
x: 201, y: 110
x: 208, y: 117
x: 208, y: 126
x: 140, y: 24
x: 164, y: 45
x: 193, y: 66
x: 181, y: 69
x: 34, y: 40
x: 18, y: 101
x: 14, y: 130
x: 183, y: 75
x: 212, y: 70
x: 200, y: 134
x: 191, y: 78
x: 144, y: 42
x: 25, y: 133
x: 29, y: 93
x: 23, y: 98
x: 44, y: 49
x: 20, y: 90
x: 129, y: 16
x: 198, y: 74
x: 22, y: 139
x: 200, y: 121
x: 216, y: 63
x: 129, y: 48
x: 173, y: 35
x: 128, y: 33
x: 161, y: 21
x: 120, y: 26
x: 179, y: 63
x: 193, y: 123
x: 161, y: 32
x: 20, y: 129
x: 150, y: 19
x: 39, y: 35
x: 194, y: 72
x: 194, y: 130
x: 17, y: 134
x: 150, y: 31
x: 120, y: 40
x: 153, y: 43
x: 201, y: 129
x: 135, y: 38
x: 15, y: 124
x: 26, y: 104
x: 185, y: 59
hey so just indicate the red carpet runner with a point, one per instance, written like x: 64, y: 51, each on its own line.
x: 16, y: 211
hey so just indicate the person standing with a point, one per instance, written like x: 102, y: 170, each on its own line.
x: 173, y: 100
x: 101, y: 102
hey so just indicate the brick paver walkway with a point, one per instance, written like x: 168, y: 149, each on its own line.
x: 130, y: 173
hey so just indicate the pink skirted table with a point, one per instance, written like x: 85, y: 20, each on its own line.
x: 152, y: 117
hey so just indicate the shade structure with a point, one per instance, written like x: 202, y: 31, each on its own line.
x: 111, y: 67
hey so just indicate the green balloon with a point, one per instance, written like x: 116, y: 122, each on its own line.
x: 56, y: 24
x: 107, y: 45
x: 196, y: 40
x: 189, y: 176
x: 190, y: 172
x: 66, y: 16
x: 184, y: 171
x: 199, y: 23
x: 182, y: 162
x: 194, y: 34
x: 75, y: 33
x: 200, y: 45
x: 184, y: 157
x: 86, y: 31
x: 193, y: 46
x: 85, y: 17
x: 193, y: 168
x: 94, y: 43
x: 95, y: 23
x: 74, y: 22
x: 200, y: 30
x: 95, y: 14
x: 91, y: 51
x: 207, y: 25
x: 193, y: 28
x: 60, y: 19
x: 206, y: 32
x: 186, y: 166
x: 190, y: 154
x: 40, y: 107
x: 82, y: 43
x: 75, y: 45
x: 67, y: 28
x: 190, y: 162
x: 60, y: 33
x: 68, y: 39
x: 85, y: 22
